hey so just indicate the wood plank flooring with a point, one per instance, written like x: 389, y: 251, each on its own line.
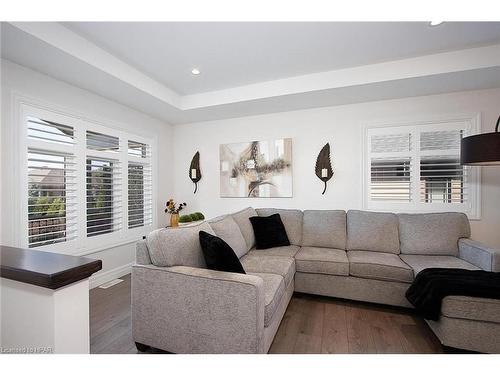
x: 311, y: 324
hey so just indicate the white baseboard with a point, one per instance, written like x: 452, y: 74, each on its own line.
x: 115, y: 273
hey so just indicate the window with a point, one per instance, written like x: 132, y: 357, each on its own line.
x: 51, y: 196
x: 87, y: 185
x: 417, y: 168
x: 103, y: 199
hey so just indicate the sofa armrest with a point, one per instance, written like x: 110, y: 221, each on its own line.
x: 484, y: 257
x: 192, y: 310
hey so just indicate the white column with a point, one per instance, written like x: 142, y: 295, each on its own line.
x: 42, y: 320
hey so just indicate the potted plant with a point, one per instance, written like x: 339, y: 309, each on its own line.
x: 173, y: 209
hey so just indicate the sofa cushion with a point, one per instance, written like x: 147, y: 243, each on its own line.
x: 274, y: 289
x: 281, y: 251
x: 372, y: 231
x: 218, y: 254
x: 432, y: 234
x: 177, y: 247
x: 324, y: 228
x: 292, y: 220
x: 322, y: 260
x: 421, y: 262
x: 379, y: 266
x: 471, y: 308
x: 242, y: 218
x: 270, y: 264
x: 269, y: 231
x: 226, y: 228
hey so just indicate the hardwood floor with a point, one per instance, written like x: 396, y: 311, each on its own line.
x: 311, y: 324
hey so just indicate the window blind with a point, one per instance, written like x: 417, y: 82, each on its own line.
x: 103, y: 197
x: 51, y: 198
x: 139, y: 195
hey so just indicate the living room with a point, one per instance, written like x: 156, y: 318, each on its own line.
x: 257, y: 187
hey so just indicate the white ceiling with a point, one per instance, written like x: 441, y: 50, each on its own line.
x: 255, y: 68
x: 233, y: 54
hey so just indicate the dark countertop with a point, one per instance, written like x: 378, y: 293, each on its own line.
x: 45, y: 269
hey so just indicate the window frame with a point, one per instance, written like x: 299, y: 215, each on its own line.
x: 469, y: 123
x: 83, y: 244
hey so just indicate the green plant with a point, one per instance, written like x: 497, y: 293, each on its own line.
x: 200, y: 215
x: 194, y: 217
x: 185, y: 219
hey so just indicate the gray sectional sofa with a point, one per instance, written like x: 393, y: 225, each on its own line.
x: 180, y: 306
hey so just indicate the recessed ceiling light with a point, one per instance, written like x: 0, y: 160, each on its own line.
x: 435, y: 23
x: 195, y: 71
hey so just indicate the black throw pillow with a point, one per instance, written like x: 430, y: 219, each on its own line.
x: 269, y: 231
x: 219, y: 256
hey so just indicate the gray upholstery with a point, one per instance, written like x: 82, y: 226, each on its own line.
x: 242, y: 218
x: 467, y: 334
x: 226, y: 228
x: 324, y: 228
x: 471, y: 308
x: 421, y: 262
x: 179, y: 306
x: 379, y: 266
x: 280, y: 251
x: 484, y: 257
x: 322, y: 260
x: 353, y: 288
x: 292, y: 220
x: 142, y: 253
x: 274, y: 289
x: 193, y: 310
x: 432, y: 234
x: 268, y: 264
x: 177, y: 247
x: 372, y: 231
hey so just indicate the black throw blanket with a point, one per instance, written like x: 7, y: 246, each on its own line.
x: 431, y: 285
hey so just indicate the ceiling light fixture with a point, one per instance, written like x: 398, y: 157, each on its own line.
x: 435, y: 23
x: 195, y: 71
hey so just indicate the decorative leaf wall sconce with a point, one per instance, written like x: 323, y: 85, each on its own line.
x: 324, y: 169
x: 194, y: 170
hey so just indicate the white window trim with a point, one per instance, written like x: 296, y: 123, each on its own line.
x: 473, y: 126
x: 25, y: 106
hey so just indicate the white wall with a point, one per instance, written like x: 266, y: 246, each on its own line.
x: 17, y: 80
x: 310, y: 130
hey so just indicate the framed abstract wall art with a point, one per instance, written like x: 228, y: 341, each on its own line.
x: 257, y: 169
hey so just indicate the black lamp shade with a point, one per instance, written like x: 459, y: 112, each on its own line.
x: 481, y: 149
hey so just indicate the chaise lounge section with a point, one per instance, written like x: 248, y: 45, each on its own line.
x: 180, y: 306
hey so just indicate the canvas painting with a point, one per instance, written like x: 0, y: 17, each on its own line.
x: 257, y: 169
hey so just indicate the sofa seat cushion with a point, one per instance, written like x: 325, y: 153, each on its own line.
x: 270, y: 264
x: 471, y: 308
x: 322, y: 260
x: 274, y: 289
x: 421, y: 262
x: 280, y: 251
x: 379, y: 266
x: 433, y: 233
x: 372, y: 231
x: 226, y: 228
x: 292, y: 220
x: 324, y: 228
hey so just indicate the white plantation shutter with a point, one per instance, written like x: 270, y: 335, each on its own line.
x: 140, y: 192
x: 51, y: 198
x: 390, y: 167
x: 417, y: 168
x: 104, y: 204
x: 88, y: 186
